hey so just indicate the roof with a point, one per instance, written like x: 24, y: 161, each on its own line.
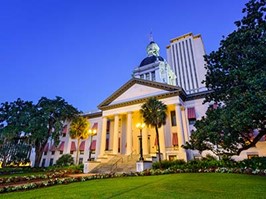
x: 171, y: 91
x: 150, y: 60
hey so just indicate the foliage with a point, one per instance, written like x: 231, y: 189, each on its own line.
x: 16, y: 179
x: 253, y: 163
x: 165, y: 164
x: 47, y: 123
x: 154, y: 115
x: 65, y: 160
x: 210, y: 164
x: 79, y: 129
x: 32, y: 124
x: 14, y: 118
x: 236, y: 75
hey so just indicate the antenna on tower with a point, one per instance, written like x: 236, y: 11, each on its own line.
x: 151, y: 37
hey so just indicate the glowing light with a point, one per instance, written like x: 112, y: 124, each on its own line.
x: 92, y: 132
x: 140, y: 125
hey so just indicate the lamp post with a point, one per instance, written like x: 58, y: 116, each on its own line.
x: 92, y: 132
x: 140, y: 126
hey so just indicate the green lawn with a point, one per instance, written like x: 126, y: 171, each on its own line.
x: 202, y: 185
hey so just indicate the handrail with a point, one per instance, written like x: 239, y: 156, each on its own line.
x: 115, y: 164
x: 130, y: 155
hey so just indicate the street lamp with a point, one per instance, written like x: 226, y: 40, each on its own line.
x: 92, y: 132
x: 140, y: 126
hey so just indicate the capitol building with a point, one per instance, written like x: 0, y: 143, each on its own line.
x: 176, y: 81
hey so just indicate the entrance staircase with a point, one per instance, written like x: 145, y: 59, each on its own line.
x: 117, y: 164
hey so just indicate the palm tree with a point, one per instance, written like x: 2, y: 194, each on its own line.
x: 154, y: 114
x: 79, y: 129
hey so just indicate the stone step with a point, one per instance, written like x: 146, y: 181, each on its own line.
x: 117, y: 163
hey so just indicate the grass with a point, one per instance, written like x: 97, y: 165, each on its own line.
x: 187, y: 185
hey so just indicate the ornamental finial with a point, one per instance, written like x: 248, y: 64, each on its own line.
x: 151, y: 37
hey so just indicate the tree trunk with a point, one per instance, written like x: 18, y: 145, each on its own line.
x: 159, y: 150
x: 4, y: 162
x: 38, y: 153
x: 38, y: 157
x: 77, y: 155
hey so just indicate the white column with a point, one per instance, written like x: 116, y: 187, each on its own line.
x: 185, y: 123
x: 180, y: 131
x: 111, y: 134
x: 145, y: 140
x: 162, y: 140
x: 115, y: 139
x: 129, y: 133
x: 103, y: 136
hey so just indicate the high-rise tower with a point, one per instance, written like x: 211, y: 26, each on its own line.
x: 185, y: 56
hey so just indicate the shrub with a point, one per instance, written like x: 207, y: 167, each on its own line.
x: 165, y: 164
x: 65, y: 160
x: 254, y: 163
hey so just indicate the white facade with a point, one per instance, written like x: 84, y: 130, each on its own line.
x: 185, y: 56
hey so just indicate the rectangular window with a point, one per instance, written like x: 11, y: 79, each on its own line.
x: 142, y: 76
x: 172, y: 157
x: 153, y: 76
x: 173, y: 118
x: 51, y: 162
x: 61, y: 152
x: 80, y: 160
x: 63, y: 135
x: 108, y: 126
x: 174, y: 139
x: 147, y: 76
x: 71, y: 152
x: 252, y: 156
x: 107, y: 144
x: 45, y: 153
x: 81, y: 152
x: 53, y: 152
x: 191, y: 114
x: 191, y: 121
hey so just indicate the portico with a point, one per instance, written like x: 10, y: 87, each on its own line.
x: 119, y: 134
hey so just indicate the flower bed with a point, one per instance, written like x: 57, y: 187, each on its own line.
x: 15, y: 179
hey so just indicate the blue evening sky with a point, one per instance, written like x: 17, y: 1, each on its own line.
x: 84, y: 50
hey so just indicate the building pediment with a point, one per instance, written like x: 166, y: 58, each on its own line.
x: 137, y: 90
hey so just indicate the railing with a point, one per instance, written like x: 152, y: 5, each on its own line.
x: 129, y: 157
x: 114, y: 166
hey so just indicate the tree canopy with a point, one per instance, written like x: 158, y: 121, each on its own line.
x: 79, y: 129
x: 236, y: 75
x: 39, y: 122
x: 14, y: 118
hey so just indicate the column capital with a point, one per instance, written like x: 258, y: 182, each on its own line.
x: 183, y: 108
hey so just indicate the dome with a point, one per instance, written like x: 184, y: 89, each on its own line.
x: 150, y: 60
x: 153, y: 54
